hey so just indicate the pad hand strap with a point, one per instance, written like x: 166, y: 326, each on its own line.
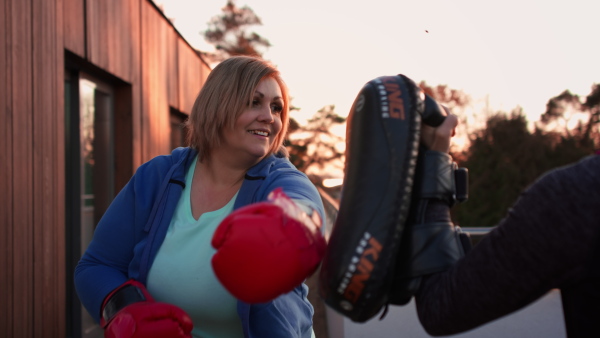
x: 442, y: 179
x: 430, y: 246
x: 434, y: 247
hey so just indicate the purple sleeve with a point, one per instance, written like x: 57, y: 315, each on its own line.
x: 541, y: 244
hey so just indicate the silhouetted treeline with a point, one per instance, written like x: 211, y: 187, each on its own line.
x: 315, y: 144
x: 505, y: 157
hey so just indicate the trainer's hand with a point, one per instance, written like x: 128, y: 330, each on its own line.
x: 267, y: 249
x: 438, y: 138
x: 147, y: 318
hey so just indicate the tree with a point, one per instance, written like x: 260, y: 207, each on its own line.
x: 229, y: 34
x: 575, y: 121
x: 314, y: 147
x: 451, y: 98
x: 504, y: 157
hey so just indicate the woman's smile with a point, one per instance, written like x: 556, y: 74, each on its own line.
x: 256, y: 128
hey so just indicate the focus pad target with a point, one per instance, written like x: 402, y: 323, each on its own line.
x: 382, y: 139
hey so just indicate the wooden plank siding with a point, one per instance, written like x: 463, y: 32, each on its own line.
x: 133, y: 47
x: 48, y: 227
x: 74, y: 26
x: 113, y: 43
x: 155, y: 71
x: 190, y: 77
x: 171, y: 66
x: 6, y: 202
x: 134, y: 62
x: 112, y: 26
x: 20, y: 59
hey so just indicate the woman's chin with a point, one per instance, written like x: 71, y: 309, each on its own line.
x: 256, y: 156
x: 259, y: 152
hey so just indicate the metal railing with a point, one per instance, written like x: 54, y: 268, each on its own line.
x: 332, y: 207
x: 542, y: 318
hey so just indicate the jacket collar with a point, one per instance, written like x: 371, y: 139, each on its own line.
x: 186, y: 155
x: 262, y: 168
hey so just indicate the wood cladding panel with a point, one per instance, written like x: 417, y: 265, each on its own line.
x: 6, y: 173
x: 112, y: 32
x: 136, y: 119
x: 172, y: 59
x: 20, y: 108
x: 132, y: 60
x: 32, y: 169
x: 96, y: 20
x: 73, y: 26
x: 47, y: 141
x: 190, y: 81
x: 127, y: 60
x: 155, y: 72
x: 205, y: 70
x: 160, y: 72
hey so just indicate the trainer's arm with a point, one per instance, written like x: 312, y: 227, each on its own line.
x: 540, y: 245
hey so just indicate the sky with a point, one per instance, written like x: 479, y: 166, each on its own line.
x: 503, y: 54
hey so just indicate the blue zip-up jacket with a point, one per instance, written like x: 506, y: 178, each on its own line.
x: 133, y: 228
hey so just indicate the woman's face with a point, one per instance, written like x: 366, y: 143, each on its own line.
x: 256, y: 128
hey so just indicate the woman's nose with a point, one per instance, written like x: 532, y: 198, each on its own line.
x: 266, y: 115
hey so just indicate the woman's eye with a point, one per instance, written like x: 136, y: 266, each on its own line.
x: 276, y: 108
x: 255, y: 102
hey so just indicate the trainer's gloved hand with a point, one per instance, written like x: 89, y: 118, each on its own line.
x: 438, y: 138
x: 432, y: 243
x: 130, y: 311
x: 267, y: 249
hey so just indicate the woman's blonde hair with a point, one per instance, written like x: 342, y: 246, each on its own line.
x: 227, y: 92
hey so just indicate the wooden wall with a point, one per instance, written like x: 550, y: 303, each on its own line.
x: 158, y: 56
x: 131, y: 41
x: 6, y: 255
x: 31, y: 169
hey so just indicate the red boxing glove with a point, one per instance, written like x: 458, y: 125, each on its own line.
x: 130, y: 311
x: 267, y: 249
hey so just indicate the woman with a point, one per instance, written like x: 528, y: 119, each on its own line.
x: 549, y: 239
x: 147, y: 270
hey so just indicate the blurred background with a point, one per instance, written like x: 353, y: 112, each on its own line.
x: 521, y: 75
x: 91, y: 89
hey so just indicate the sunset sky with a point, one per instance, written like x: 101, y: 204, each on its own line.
x: 512, y: 52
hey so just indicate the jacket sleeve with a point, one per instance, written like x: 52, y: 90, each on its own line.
x: 288, y: 316
x: 298, y: 187
x: 104, y: 264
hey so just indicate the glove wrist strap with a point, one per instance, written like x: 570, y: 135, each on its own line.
x: 442, y: 179
x: 126, y: 295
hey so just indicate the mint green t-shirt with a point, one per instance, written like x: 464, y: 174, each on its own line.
x: 182, y: 274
